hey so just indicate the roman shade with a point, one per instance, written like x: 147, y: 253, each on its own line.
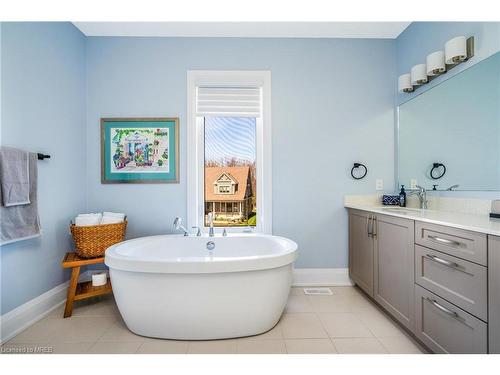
x: 228, y: 101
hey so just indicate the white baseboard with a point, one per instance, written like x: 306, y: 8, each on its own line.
x: 22, y: 317
x: 321, y: 277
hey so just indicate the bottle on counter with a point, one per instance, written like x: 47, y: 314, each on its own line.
x: 402, y: 196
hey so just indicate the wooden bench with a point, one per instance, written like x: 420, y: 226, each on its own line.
x: 79, y: 291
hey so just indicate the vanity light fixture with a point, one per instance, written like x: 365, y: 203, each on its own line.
x: 435, y: 63
x: 418, y: 74
x: 456, y: 51
x: 404, y: 83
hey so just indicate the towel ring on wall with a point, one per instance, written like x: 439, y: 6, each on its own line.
x: 356, y: 166
x: 435, y: 167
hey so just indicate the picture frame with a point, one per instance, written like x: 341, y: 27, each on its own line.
x: 140, y: 150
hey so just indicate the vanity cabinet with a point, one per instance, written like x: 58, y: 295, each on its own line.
x: 441, y: 283
x: 393, y: 267
x: 361, y: 249
x: 494, y: 294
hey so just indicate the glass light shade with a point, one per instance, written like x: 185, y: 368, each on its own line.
x: 455, y: 50
x: 418, y: 74
x: 435, y: 63
x: 404, y: 83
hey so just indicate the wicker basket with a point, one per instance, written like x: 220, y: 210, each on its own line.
x: 93, y: 240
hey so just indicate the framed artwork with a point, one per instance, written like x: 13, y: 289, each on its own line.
x: 139, y: 150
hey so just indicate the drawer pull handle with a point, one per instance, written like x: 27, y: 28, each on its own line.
x: 443, y: 240
x: 443, y: 261
x: 442, y: 308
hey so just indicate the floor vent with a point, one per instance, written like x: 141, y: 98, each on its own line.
x: 318, y: 291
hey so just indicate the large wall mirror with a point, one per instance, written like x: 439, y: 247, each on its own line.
x: 453, y: 128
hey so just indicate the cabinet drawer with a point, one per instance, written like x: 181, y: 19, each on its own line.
x: 445, y: 328
x: 460, y: 243
x: 460, y: 282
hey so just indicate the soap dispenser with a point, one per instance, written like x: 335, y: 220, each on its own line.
x: 402, y: 196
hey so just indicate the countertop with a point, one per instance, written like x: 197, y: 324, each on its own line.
x: 472, y: 222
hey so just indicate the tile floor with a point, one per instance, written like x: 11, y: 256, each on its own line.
x: 345, y: 322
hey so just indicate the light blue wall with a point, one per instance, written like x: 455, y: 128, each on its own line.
x: 43, y: 109
x: 332, y: 104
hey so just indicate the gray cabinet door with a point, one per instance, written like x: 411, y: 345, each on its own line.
x: 445, y: 328
x: 494, y: 293
x: 361, y: 250
x: 394, y: 264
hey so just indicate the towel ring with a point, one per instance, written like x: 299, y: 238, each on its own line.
x: 435, y: 167
x: 357, y: 165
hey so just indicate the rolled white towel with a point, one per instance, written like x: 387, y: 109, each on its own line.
x: 88, y: 219
x: 111, y: 220
x: 113, y: 214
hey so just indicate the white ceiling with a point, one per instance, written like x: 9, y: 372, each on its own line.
x: 386, y: 30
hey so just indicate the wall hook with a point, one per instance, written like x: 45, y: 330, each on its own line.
x: 42, y: 156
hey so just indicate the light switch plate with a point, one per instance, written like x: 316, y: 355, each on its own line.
x: 379, y: 184
x: 413, y: 184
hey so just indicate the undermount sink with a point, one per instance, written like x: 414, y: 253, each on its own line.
x: 401, y: 210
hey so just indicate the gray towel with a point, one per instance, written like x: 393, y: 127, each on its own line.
x: 14, y: 176
x: 22, y: 222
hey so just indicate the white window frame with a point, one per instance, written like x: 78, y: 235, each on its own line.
x: 195, y: 145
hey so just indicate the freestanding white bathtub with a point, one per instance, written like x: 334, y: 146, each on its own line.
x: 174, y: 287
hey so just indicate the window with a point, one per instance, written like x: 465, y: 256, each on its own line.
x: 229, y: 149
x: 223, y: 189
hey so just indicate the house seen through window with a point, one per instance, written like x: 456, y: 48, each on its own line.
x: 230, y: 170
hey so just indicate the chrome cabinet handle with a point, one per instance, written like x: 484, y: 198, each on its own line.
x: 443, y: 240
x: 369, y: 225
x: 374, y: 223
x: 443, y: 261
x: 442, y: 308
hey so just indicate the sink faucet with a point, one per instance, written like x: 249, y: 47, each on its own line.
x: 211, y: 224
x: 422, y: 196
x: 453, y: 187
x: 178, y: 226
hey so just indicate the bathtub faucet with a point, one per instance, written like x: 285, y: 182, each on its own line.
x: 211, y: 224
x: 178, y: 226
